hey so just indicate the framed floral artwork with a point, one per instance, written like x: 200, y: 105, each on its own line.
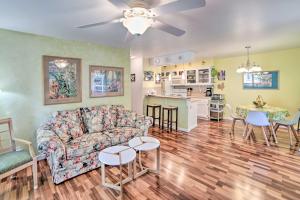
x: 62, y: 80
x: 106, y: 81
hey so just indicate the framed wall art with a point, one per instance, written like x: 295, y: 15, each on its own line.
x: 62, y: 80
x: 106, y: 81
x: 132, y: 77
x: 222, y: 75
x: 148, y: 75
x: 261, y: 80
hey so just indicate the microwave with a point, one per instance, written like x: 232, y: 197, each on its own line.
x: 217, y: 97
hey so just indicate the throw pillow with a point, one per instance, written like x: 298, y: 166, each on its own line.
x: 126, y: 118
x: 67, y: 125
x: 93, y: 119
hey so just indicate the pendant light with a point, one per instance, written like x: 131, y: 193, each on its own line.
x: 248, y: 67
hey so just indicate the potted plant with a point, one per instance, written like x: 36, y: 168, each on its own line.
x: 214, y: 73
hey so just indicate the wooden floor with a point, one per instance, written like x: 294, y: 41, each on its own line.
x: 204, y: 164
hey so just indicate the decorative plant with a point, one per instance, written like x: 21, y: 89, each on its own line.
x: 259, y: 102
x: 214, y: 72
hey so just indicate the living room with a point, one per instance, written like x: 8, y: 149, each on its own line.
x: 194, y: 100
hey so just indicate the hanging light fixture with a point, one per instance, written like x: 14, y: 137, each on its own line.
x: 137, y: 20
x: 248, y: 67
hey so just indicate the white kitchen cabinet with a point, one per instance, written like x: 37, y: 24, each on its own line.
x: 203, y: 108
x: 192, y: 115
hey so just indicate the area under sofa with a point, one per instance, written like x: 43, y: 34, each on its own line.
x: 71, y: 140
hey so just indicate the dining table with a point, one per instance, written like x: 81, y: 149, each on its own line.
x: 273, y: 113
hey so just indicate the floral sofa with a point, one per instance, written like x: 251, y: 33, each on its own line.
x: 71, y: 140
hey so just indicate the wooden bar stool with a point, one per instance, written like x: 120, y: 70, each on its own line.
x: 154, y: 107
x: 169, y: 121
x: 298, y: 129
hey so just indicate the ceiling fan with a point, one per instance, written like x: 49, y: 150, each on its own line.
x: 139, y: 15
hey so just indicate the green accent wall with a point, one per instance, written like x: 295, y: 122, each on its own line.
x: 21, y: 76
x: 164, y: 102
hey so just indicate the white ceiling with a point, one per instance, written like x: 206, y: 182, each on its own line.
x: 221, y: 28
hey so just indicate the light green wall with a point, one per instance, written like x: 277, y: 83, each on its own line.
x: 164, y: 102
x: 21, y: 79
x: 287, y: 62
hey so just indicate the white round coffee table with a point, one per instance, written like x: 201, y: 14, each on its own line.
x: 117, y: 156
x: 143, y: 144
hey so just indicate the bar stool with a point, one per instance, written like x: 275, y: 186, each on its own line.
x: 169, y: 120
x: 154, y: 107
x: 298, y: 129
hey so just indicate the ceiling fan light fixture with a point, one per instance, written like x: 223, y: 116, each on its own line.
x: 138, y: 20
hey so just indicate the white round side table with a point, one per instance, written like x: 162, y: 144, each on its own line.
x: 117, y: 156
x: 142, y: 144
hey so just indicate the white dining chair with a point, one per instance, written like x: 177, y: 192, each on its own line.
x: 289, y: 124
x: 234, y: 117
x: 259, y: 119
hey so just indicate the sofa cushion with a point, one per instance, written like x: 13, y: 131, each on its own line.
x: 123, y: 134
x: 86, y: 144
x: 126, y: 118
x: 115, y: 110
x: 93, y: 119
x: 108, y: 120
x: 67, y: 124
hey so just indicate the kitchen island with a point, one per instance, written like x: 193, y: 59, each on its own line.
x: 187, y: 109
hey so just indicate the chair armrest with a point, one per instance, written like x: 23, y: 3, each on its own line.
x: 143, y: 122
x: 49, y: 143
x: 31, y: 151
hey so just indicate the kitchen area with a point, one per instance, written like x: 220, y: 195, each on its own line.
x: 191, y: 90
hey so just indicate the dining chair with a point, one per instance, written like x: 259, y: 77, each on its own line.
x: 289, y: 124
x: 12, y: 159
x: 234, y: 117
x: 259, y: 119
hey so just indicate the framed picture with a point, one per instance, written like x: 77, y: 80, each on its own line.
x: 132, y: 77
x: 261, y: 80
x: 148, y: 75
x: 106, y: 81
x: 62, y: 80
x: 222, y: 75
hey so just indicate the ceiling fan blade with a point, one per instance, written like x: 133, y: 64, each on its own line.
x: 179, y: 5
x: 113, y: 21
x: 168, y: 28
x: 119, y: 4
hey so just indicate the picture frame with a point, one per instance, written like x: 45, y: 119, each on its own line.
x: 222, y: 75
x: 261, y: 80
x: 148, y: 75
x: 132, y: 77
x: 62, y: 80
x: 106, y: 81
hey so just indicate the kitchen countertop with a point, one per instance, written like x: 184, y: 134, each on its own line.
x: 192, y: 98
x: 165, y: 96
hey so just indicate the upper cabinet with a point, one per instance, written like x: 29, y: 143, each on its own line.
x: 191, y: 76
x: 204, y: 76
x: 196, y: 76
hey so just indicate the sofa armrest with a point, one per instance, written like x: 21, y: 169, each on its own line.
x: 143, y: 122
x: 51, y: 146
